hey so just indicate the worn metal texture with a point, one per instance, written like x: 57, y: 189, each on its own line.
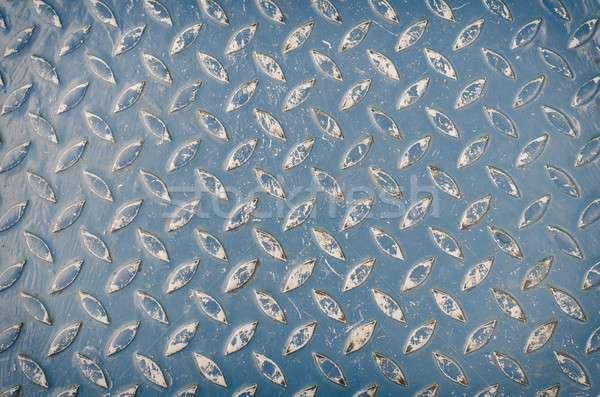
x: 316, y: 197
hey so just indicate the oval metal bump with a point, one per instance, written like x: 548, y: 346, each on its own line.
x: 269, y: 306
x: 386, y: 182
x: 92, y: 371
x: 441, y: 9
x: 32, y: 371
x: 299, y: 153
x: 326, y: 123
x: 414, y: 152
x: 593, y: 342
x: 358, y: 213
x: 540, y: 336
x: 532, y: 151
x: 298, y: 37
x: 13, y: 215
x: 214, y: 11
x: 156, y: 126
x: 95, y: 246
x: 480, y: 336
x: 508, y: 304
x: 74, y: 40
x: 94, y: 308
x: 503, y: 181
x: 208, y: 368
x: 468, y: 35
x: 357, y: 152
x: 537, y: 273
x: 390, y: 369
x: 412, y: 35
x: 152, y: 307
x: 385, y: 123
x: 506, y: 242
x: 328, y: 244
x: 557, y: 8
x: 185, y: 96
x: 450, y: 369
x: 358, y: 274
x: 298, y: 95
x: 417, y: 274
x: 419, y: 337
x: 38, y: 247
x: 181, y: 276
x: 471, y: 93
x: 71, y: 156
x: 299, y: 214
x: 17, y: 98
x: 556, y: 63
x: 129, y: 40
x: 388, y: 305
x: 511, y: 368
x: 103, y: 13
x: 10, y: 275
x: 448, y: 305
x: 151, y: 370
x: 19, y: 41
x: 241, y: 38
x: 269, y: 369
x: 526, y: 34
x: 65, y: 277
x: 355, y: 94
x: 270, y: 245
x: 355, y: 36
x: 330, y: 369
x: 572, y: 368
x: 413, y: 93
x: 589, y: 152
x: 269, y: 66
x: 326, y: 65
x: 122, y: 338
x: 440, y: 64
x: 211, y: 307
x: 329, y: 306
x: 299, y: 275
x: 240, y: 337
x: 442, y: 122
x: 477, y: 274
x: 475, y: 212
x: 40, y: 186
x: 416, y: 212
x: 568, y: 305
x: 181, y: 338
x: 129, y: 97
x: 583, y: 33
x: 565, y: 242
x: 359, y: 337
x: 384, y: 9
x: 71, y: 98
x: 310, y: 391
x: 9, y: 336
x: 300, y: 337
x: 185, y: 39
x: 35, y: 308
x: 446, y: 242
x: 592, y: 277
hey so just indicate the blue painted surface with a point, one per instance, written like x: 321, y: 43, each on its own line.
x: 447, y: 275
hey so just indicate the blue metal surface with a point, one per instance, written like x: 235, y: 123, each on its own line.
x: 535, y: 121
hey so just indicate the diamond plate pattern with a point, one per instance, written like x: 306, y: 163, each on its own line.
x: 315, y: 197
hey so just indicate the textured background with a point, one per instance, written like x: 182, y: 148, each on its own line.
x: 418, y: 305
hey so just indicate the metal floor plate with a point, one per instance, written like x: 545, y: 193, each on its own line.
x: 316, y: 197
